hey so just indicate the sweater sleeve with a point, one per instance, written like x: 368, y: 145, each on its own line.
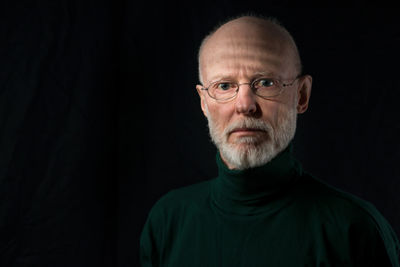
x: 374, y: 243
x: 149, y: 241
x: 147, y: 253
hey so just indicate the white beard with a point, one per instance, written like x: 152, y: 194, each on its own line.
x: 252, y: 151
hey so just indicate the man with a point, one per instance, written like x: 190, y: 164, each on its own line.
x: 262, y: 209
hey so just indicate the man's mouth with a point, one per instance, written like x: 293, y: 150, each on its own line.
x: 247, y: 130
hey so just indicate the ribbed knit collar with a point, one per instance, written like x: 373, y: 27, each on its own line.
x: 251, y: 191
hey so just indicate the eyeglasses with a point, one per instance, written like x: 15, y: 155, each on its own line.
x: 263, y: 87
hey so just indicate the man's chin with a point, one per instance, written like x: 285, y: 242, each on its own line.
x: 240, y: 137
x: 248, y: 142
x: 247, y: 155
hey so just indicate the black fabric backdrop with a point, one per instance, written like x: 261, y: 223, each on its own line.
x: 100, y: 117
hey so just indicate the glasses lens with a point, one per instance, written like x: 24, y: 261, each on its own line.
x: 266, y: 87
x: 222, y: 90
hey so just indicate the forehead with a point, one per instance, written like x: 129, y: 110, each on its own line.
x: 242, y: 60
x: 244, y: 50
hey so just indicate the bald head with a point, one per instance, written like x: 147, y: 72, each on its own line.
x: 247, y: 37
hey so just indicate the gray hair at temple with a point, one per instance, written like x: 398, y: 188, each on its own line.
x: 265, y: 19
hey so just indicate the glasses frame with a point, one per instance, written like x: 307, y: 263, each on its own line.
x: 280, y: 84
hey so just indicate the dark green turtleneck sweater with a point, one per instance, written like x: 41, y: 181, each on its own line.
x: 273, y: 215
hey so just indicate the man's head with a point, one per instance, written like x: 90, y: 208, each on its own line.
x: 248, y: 129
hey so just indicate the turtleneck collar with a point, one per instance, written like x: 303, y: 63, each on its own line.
x: 250, y: 191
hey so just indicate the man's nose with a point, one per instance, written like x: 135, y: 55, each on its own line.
x: 246, y: 100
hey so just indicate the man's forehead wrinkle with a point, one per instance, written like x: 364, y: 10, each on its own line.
x: 240, y: 61
x: 246, y: 41
x: 245, y: 48
x: 254, y: 56
x: 256, y: 45
x: 236, y: 67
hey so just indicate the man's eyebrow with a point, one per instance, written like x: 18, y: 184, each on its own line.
x: 221, y: 77
x: 263, y: 74
x: 258, y: 74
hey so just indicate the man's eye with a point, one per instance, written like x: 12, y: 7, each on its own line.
x: 264, y: 83
x: 225, y: 86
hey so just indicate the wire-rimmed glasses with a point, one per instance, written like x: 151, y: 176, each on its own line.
x: 264, y: 87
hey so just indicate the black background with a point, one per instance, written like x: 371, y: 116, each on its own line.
x: 99, y: 116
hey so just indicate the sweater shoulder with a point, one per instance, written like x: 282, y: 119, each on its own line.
x: 343, y: 208
x: 336, y: 199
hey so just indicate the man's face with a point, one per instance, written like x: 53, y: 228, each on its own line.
x: 249, y: 130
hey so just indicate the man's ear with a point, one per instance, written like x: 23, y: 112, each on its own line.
x: 304, y: 93
x: 202, y: 98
